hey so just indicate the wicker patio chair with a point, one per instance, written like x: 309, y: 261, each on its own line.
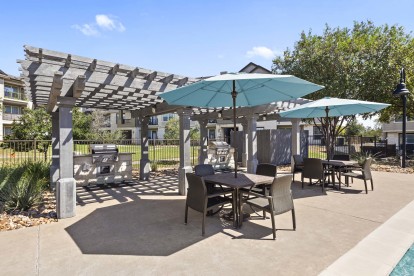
x: 365, y: 174
x: 298, y: 165
x: 199, y: 200
x: 314, y: 169
x: 279, y: 202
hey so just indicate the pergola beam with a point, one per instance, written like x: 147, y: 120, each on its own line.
x: 55, y: 91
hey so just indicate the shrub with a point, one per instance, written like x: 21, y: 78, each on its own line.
x: 22, y: 186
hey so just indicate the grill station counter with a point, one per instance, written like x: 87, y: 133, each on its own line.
x: 220, y: 155
x: 104, y: 164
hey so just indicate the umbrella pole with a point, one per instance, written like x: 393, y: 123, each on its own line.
x: 328, y: 138
x: 234, y: 95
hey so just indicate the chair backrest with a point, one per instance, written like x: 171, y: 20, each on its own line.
x: 266, y: 169
x: 343, y: 157
x: 366, y: 169
x: 204, y: 169
x: 197, y: 192
x: 298, y: 159
x: 282, y: 194
x: 312, y: 168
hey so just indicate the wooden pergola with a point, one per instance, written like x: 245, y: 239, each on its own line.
x: 60, y: 81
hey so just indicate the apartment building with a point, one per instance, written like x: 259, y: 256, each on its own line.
x: 12, y: 100
x: 393, y: 133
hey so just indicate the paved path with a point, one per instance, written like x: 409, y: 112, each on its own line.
x: 139, y: 230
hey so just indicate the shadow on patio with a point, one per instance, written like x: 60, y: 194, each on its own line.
x: 151, y: 227
x: 166, y: 184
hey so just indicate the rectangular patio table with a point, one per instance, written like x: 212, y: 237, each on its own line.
x: 243, y: 180
x: 339, y: 166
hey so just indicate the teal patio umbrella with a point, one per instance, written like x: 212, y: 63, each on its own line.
x: 332, y: 107
x: 240, y: 89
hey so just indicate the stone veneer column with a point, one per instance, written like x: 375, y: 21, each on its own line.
x: 144, y: 162
x: 66, y: 185
x: 203, y: 156
x: 54, y: 167
x: 252, y: 145
x: 185, y: 150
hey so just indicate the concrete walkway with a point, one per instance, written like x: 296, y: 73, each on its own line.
x: 139, y: 230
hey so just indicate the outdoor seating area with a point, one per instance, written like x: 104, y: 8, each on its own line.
x: 139, y: 226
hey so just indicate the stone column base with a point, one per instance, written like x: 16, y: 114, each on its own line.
x: 65, y: 198
x: 182, y: 179
x: 144, y: 169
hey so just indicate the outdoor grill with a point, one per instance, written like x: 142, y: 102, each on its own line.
x: 104, y: 153
x: 104, y: 156
x: 220, y: 154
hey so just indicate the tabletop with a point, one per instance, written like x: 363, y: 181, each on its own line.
x: 340, y: 163
x: 242, y: 180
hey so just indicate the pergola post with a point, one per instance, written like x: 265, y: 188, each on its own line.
x: 202, y: 156
x: 245, y: 142
x: 252, y: 145
x: 185, y: 150
x: 66, y: 185
x: 295, y: 140
x: 54, y: 167
x: 144, y: 162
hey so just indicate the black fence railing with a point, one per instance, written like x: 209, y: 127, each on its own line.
x: 163, y: 154
x: 349, y: 145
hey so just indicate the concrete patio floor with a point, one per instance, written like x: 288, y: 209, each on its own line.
x: 139, y: 229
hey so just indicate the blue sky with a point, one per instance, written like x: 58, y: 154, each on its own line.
x: 191, y: 38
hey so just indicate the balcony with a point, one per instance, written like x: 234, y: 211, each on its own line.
x: 15, y: 96
x: 11, y: 117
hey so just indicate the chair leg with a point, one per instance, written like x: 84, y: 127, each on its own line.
x: 372, y: 184
x: 186, y: 214
x: 366, y: 189
x: 264, y: 215
x: 203, y: 229
x: 323, y: 184
x: 293, y: 176
x: 272, y: 216
x: 302, y: 182
x: 294, y: 219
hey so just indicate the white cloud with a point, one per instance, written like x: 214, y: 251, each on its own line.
x: 87, y: 29
x: 103, y: 23
x: 261, y: 51
x: 109, y: 23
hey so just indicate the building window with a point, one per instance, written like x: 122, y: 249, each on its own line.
x: 317, y: 134
x: 11, y: 109
x: 167, y: 117
x: 211, y: 134
x: 13, y: 92
x: 152, y: 134
x: 7, y: 131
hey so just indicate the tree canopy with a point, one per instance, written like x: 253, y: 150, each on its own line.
x: 172, y: 130
x: 360, y: 63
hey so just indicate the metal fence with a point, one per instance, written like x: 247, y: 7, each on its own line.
x: 162, y: 153
x: 349, y: 145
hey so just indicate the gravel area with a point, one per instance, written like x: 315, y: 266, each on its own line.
x: 42, y: 214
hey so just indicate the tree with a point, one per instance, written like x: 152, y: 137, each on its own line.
x: 354, y: 129
x: 34, y: 124
x: 360, y: 63
x: 172, y: 130
x: 81, y: 124
x: 98, y: 121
